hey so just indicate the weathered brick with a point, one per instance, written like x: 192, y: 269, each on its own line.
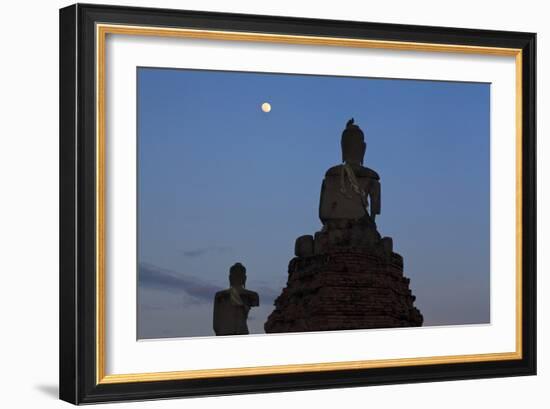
x: 346, y: 289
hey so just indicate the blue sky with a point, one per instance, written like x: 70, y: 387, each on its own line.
x: 220, y: 181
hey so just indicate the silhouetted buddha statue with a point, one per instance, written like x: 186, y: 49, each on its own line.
x: 349, y: 203
x: 231, y: 306
x: 346, y: 275
x: 350, y: 191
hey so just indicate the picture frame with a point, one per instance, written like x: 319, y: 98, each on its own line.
x: 83, y: 131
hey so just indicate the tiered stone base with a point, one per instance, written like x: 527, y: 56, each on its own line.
x: 349, y: 288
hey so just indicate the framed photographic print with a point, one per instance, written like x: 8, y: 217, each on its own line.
x: 257, y: 203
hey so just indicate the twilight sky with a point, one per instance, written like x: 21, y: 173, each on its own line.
x: 220, y: 181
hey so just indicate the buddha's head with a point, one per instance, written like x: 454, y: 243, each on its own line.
x: 353, y: 144
x: 237, y: 275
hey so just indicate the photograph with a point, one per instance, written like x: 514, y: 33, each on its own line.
x: 277, y: 202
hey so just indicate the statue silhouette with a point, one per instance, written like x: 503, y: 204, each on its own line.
x: 348, y: 188
x: 346, y: 275
x: 231, y: 306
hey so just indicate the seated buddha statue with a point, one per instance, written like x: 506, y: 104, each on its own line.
x: 231, y: 306
x: 350, y: 191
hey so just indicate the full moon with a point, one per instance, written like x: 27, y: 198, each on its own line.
x: 266, y: 107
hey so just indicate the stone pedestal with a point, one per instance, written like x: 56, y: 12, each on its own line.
x: 345, y: 284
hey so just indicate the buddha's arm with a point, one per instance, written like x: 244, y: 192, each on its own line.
x: 375, y: 199
x: 253, y: 299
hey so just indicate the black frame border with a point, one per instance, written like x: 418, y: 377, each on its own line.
x: 77, y: 285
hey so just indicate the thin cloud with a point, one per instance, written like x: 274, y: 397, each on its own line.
x: 151, y: 276
x: 204, y: 250
x: 157, y: 277
x: 268, y: 294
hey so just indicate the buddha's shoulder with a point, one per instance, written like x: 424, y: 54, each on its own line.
x: 222, y: 294
x: 360, y: 171
x: 251, y: 297
x: 243, y: 292
x: 249, y: 293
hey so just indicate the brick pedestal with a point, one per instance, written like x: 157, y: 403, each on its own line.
x: 347, y: 288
